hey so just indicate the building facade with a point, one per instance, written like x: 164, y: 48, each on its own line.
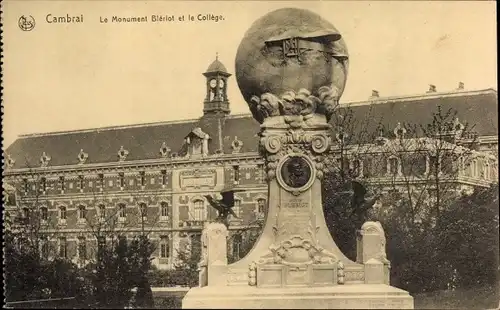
x: 152, y: 178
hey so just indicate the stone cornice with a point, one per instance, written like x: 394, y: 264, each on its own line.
x: 455, y: 93
x: 159, y: 163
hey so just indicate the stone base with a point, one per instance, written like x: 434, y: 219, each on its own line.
x: 353, y: 296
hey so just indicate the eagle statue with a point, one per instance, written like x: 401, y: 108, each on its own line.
x: 224, y: 206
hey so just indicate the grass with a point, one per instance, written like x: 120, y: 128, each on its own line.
x: 475, y: 298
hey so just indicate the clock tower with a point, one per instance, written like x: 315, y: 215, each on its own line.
x: 216, y: 100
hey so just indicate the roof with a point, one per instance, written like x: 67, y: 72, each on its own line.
x: 143, y: 141
x: 216, y: 66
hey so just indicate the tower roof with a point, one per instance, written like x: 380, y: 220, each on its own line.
x: 217, y: 67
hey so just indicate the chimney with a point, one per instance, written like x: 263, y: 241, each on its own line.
x: 432, y: 88
x: 461, y: 86
x: 375, y: 94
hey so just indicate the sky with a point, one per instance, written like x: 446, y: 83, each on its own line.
x: 75, y: 76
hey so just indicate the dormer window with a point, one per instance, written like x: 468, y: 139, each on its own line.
x: 197, y: 142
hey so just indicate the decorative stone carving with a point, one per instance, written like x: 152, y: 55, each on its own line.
x: 236, y: 145
x: 164, y: 150
x: 122, y: 154
x: 9, y: 161
x: 399, y: 131
x: 371, y: 248
x: 297, y: 251
x: 82, y: 157
x: 44, y: 160
x: 340, y: 272
x: 252, y: 274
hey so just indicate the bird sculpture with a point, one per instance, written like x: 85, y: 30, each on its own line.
x: 224, y: 206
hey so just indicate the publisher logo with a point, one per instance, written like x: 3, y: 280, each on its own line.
x: 26, y: 23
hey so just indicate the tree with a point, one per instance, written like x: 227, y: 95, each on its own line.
x: 347, y: 197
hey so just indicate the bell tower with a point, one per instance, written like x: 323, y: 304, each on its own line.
x: 216, y: 101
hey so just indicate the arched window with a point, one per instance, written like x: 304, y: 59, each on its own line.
x: 44, y: 213
x: 44, y: 244
x: 62, y: 213
x: 122, y: 212
x: 164, y: 210
x: 143, y: 209
x: 82, y: 248
x: 393, y: 166
x: 356, y: 168
x: 237, y: 208
x: 237, y: 241
x: 63, y: 248
x: 26, y: 213
x: 164, y: 247
x: 199, y: 212
x: 82, y: 212
x: 102, y: 211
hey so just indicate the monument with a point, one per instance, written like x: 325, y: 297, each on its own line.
x: 291, y: 67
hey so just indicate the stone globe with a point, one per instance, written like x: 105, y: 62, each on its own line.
x: 289, y: 50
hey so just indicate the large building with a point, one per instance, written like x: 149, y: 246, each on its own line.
x: 153, y: 177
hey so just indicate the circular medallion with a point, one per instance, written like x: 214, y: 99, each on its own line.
x: 295, y: 173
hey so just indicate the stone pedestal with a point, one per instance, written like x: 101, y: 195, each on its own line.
x: 295, y: 263
x: 291, y: 69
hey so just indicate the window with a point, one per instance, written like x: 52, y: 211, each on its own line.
x: 393, y: 166
x: 62, y: 183
x: 143, y: 208
x: 80, y: 183
x: 26, y: 213
x: 63, y: 248
x: 25, y: 185
x: 122, y: 179
x: 102, y: 211
x: 62, y: 213
x: 164, y: 247
x: 237, y: 246
x: 356, y: 168
x: 261, y: 204
x: 101, y: 180
x: 44, y: 248
x: 236, y: 170
x: 237, y: 207
x: 164, y: 209
x: 81, y: 213
x: 44, y: 213
x: 82, y: 248
x: 143, y: 178
x: 164, y: 177
x: 195, y: 246
x: 433, y: 164
x: 122, y: 213
x: 43, y: 182
x: 198, y: 210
